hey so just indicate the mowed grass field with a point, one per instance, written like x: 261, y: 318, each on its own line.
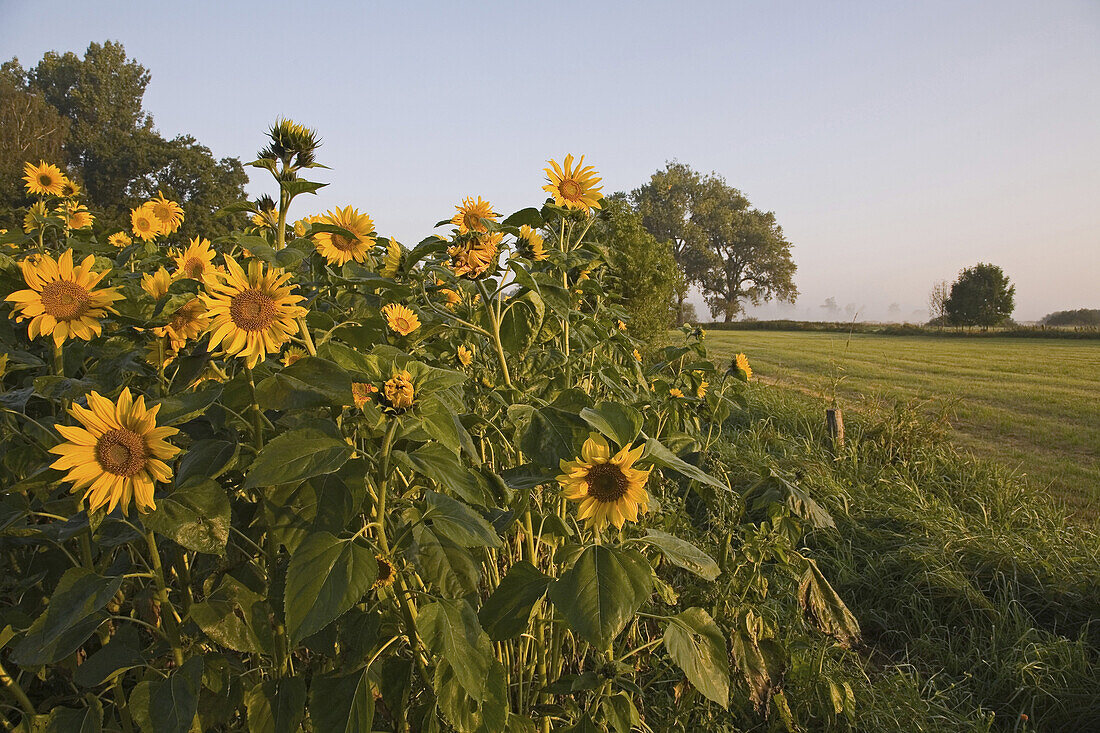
x: 1032, y: 404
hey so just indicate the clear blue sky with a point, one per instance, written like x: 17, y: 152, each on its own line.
x: 897, y: 142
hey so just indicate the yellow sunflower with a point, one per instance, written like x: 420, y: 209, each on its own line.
x: 76, y: 216
x: 252, y: 314
x: 361, y: 393
x: 187, y: 323
x: 35, y: 216
x: 400, y: 318
x: 157, y: 283
x: 621, y: 325
x: 195, y: 262
x: 701, y: 390
x: 473, y: 257
x: 676, y: 392
x: 120, y: 240
x: 145, y: 224
x: 44, y: 179
x: 741, y: 364
x: 470, y: 214
x: 531, y: 244
x: 386, y: 573
x: 608, y: 487
x: 292, y: 354
x: 465, y: 356
x: 637, y: 355
x: 398, y: 391
x: 62, y: 299
x: 392, y: 262
x: 338, y: 249
x: 70, y: 189
x: 168, y: 213
x: 118, y: 454
x: 573, y: 187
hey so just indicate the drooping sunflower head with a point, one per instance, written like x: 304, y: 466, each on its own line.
x: 62, y: 299
x: 741, y: 367
x: 144, y: 223
x: 531, y: 244
x: 701, y: 390
x: 361, y: 393
x: 169, y: 214
x: 398, y: 391
x: 400, y: 318
x: 156, y: 284
x: 465, y: 356
x: 474, y: 256
x: 196, y: 261
x: 120, y: 240
x: 608, y: 487
x: 252, y: 313
x: 117, y: 454
x: 292, y: 355
x: 573, y: 187
x: 44, y: 179
x: 187, y: 323
x: 76, y: 216
x: 35, y: 216
x: 472, y: 215
x: 338, y: 249
x: 392, y: 262
x: 386, y: 573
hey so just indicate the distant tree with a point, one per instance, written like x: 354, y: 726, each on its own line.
x: 937, y: 303
x: 643, y: 271
x: 981, y: 296
x: 1079, y: 317
x: 112, y: 148
x: 894, y: 311
x: 830, y: 307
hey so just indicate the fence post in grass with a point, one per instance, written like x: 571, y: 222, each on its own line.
x: 834, y: 424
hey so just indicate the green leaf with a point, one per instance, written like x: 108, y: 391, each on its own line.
x: 74, y: 613
x: 443, y: 467
x: 341, y: 704
x: 619, y: 422
x: 446, y: 565
x: 169, y: 705
x: 233, y: 616
x: 620, y: 713
x: 695, y: 643
x: 308, y: 382
x: 298, y: 186
x: 507, y: 612
x: 683, y: 554
x: 521, y: 322
x: 297, y: 455
x: 121, y: 653
x: 196, y: 516
x: 451, y: 630
x: 773, y: 489
x: 180, y: 408
x: 553, y: 435
x: 529, y: 217
x: 72, y: 720
x: 602, y: 591
x: 760, y: 661
x: 206, y: 459
x: 823, y: 606
x: 656, y: 451
x: 325, y: 578
x: 457, y: 522
x: 276, y: 705
x: 321, y: 504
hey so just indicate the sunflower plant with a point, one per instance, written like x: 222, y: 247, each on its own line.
x: 305, y: 478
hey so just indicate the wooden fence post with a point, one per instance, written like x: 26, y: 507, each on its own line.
x: 834, y: 424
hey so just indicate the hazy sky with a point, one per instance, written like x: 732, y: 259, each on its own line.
x: 896, y: 142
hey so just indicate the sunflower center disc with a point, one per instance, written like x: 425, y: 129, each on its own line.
x: 570, y: 190
x: 472, y: 221
x: 342, y: 243
x: 45, y: 180
x: 65, y: 300
x: 121, y: 452
x: 252, y: 310
x: 606, y: 482
x: 194, y: 267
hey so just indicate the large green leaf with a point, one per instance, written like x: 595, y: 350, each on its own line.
x: 169, y: 705
x: 121, y: 653
x: 321, y: 504
x: 297, y: 455
x: 195, y: 516
x: 451, y: 630
x: 235, y: 617
x: 457, y: 522
x: 507, y: 612
x: 695, y: 643
x: 824, y: 608
x: 449, y: 567
x: 602, y: 591
x: 74, y: 613
x: 341, y: 704
x: 553, y: 435
x: 521, y: 322
x: 325, y: 578
x: 762, y: 662
x: 276, y: 705
x: 180, y: 408
x: 71, y: 720
x: 657, y: 452
x: 309, y: 382
x: 683, y: 554
x: 205, y: 460
x: 443, y: 467
x: 619, y: 422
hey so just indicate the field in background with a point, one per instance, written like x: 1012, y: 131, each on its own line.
x: 1032, y: 405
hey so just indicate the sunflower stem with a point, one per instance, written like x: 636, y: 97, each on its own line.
x: 257, y: 415
x: 304, y: 329
x: 58, y: 360
x: 494, y: 322
x: 168, y: 613
x: 280, y: 231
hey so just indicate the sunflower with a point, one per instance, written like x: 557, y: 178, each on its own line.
x: 62, y: 299
x: 398, y: 391
x: 608, y: 487
x: 392, y: 262
x: 157, y: 283
x: 621, y: 325
x: 386, y: 573
x: 118, y: 454
x: 195, y: 262
x: 169, y: 214
x: 70, y: 189
x: 253, y: 314
x: 470, y: 214
x: 531, y: 244
x: 573, y: 188
x: 474, y: 256
x: 339, y: 248
x: 676, y: 392
x: 701, y: 390
x: 44, y: 179
x: 35, y: 216
x: 120, y: 240
x: 637, y: 355
x: 187, y: 323
x: 292, y: 354
x: 145, y: 224
x: 741, y: 365
x: 400, y: 319
x: 361, y: 393
x: 76, y: 216
x: 465, y: 356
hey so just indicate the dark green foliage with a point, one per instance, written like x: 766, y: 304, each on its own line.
x: 1079, y: 317
x: 981, y: 296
